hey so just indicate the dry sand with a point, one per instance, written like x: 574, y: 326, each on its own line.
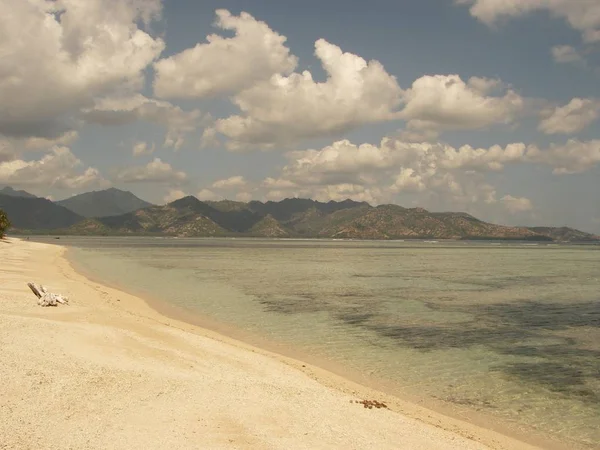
x: 109, y: 372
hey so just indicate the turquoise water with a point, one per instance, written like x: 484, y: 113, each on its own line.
x: 509, y: 330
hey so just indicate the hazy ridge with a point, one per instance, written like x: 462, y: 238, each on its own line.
x: 93, y: 214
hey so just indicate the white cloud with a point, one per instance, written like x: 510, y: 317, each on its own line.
x: 445, y: 102
x: 573, y: 157
x: 141, y: 148
x: 571, y: 118
x: 582, y: 15
x: 13, y: 148
x: 58, y: 169
x: 450, y: 177
x: 155, y: 171
x: 286, y: 109
x: 58, y: 55
x: 516, y: 205
x: 371, y: 173
x: 346, y: 162
x: 207, y: 194
x: 209, y: 138
x: 409, y: 181
x: 356, y: 192
x: 339, y: 163
x: 493, y: 158
x: 336, y: 192
x: 235, y: 182
x: 125, y: 110
x: 565, y: 54
x: 36, y: 143
x: 225, y: 65
x: 7, y: 152
x: 173, y: 194
x: 341, y: 157
x: 243, y: 196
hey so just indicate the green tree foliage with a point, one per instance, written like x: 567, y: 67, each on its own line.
x: 4, y: 223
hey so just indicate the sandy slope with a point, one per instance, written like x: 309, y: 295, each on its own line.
x: 108, y: 372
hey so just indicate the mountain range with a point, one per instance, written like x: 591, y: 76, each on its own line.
x: 34, y: 213
x: 110, y: 202
x: 94, y: 213
x: 14, y: 193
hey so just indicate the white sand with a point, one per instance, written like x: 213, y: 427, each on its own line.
x: 108, y: 372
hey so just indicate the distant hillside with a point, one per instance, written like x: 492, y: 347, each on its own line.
x: 565, y: 234
x: 36, y: 213
x: 395, y: 222
x: 110, y: 202
x: 269, y: 227
x: 294, y: 217
x: 184, y: 217
x: 15, y: 193
x: 189, y: 216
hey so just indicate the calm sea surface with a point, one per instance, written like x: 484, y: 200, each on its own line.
x: 510, y: 330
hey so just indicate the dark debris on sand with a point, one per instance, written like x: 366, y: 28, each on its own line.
x: 370, y: 404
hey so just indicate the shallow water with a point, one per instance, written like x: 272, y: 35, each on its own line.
x: 511, y: 330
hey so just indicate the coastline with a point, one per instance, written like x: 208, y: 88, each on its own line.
x: 456, y: 418
x: 268, y: 401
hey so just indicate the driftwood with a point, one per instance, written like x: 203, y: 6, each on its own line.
x: 46, y: 298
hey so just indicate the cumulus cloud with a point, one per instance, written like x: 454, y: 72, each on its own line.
x: 445, y: 102
x: 516, y: 205
x: 372, y: 173
x: 279, y: 107
x: 37, y: 143
x: 455, y: 175
x: 14, y: 148
x: 570, y: 118
x: 565, y: 54
x: 573, y: 157
x: 582, y: 15
x: 243, y: 196
x: 337, y: 192
x: 342, y: 158
x: 173, y: 194
x: 59, y: 55
x: 408, y: 180
x: 141, y: 148
x: 348, y: 162
x: 155, y: 171
x: 286, y: 109
x: 207, y: 194
x: 59, y: 169
x: 125, y: 110
x: 225, y: 65
x: 7, y: 152
x: 234, y: 182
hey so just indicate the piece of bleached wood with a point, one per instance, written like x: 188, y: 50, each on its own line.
x: 35, y: 289
x: 46, y: 298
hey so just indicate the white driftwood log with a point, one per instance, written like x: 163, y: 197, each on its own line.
x: 46, y: 298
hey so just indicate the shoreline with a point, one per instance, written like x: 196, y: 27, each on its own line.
x: 455, y: 418
x: 108, y: 306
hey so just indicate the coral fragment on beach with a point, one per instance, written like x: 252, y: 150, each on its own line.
x: 46, y: 298
x: 370, y: 404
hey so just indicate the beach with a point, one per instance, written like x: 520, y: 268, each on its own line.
x: 108, y: 371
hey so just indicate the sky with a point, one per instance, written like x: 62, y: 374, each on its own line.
x: 490, y: 107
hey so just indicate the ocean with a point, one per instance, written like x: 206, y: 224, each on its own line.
x: 504, y: 331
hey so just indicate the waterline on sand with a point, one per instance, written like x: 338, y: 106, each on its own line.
x: 151, y: 381
x: 461, y: 345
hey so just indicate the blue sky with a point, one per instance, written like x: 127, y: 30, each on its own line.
x: 470, y: 105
